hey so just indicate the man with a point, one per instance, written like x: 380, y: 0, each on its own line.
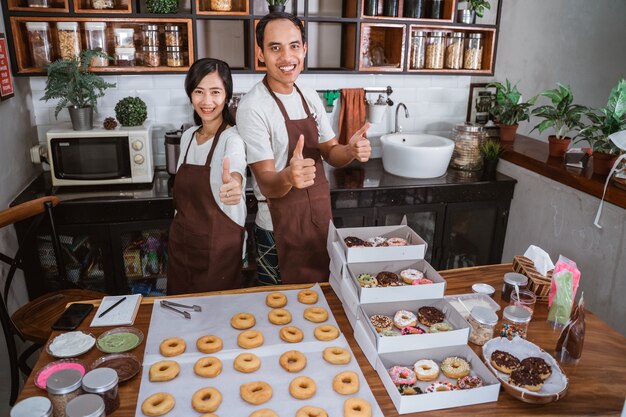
x: 287, y: 135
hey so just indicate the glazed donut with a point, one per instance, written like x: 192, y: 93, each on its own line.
x: 276, y: 300
x: 422, y: 281
x: 206, y: 400
x: 404, y: 318
x: 367, y: 281
x: 302, y: 388
x: 388, y: 279
x: 264, y: 412
x: 208, y: 367
x: 468, y: 382
x: 455, y: 367
x: 163, y: 371
x: 247, y: 362
x: 209, y: 344
x: 157, y: 404
x: 539, y: 365
x: 291, y: 334
x: 440, y: 386
x: 401, y: 375
x: 250, y: 339
x: 412, y: 330
x: 396, y: 241
x: 346, y: 383
x: 381, y: 322
x: 279, y: 316
x: 326, y: 332
x: 316, y: 314
x: 357, y: 407
x: 504, y: 361
x: 409, y: 276
x: 526, y: 378
x: 307, y: 297
x: 440, y: 327
x: 292, y: 361
x: 426, y: 370
x: 255, y: 393
x: 336, y: 355
x: 308, y: 411
x: 391, y: 332
x: 172, y: 347
x: 430, y: 315
x: 377, y: 241
x: 242, y: 321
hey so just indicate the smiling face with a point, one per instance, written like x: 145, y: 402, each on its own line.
x: 209, y: 98
x: 283, y: 54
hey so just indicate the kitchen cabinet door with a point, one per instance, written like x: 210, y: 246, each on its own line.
x: 353, y: 217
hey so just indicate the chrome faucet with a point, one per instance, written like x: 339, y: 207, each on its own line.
x: 398, y: 128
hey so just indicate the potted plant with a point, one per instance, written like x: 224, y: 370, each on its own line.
x: 563, y: 116
x: 78, y: 89
x: 490, y: 150
x: 508, y: 110
x: 603, y: 122
x: 162, y: 6
x: 474, y: 8
x: 276, y: 5
x: 131, y: 111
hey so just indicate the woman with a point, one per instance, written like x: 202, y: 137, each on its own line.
x: 207, y: 234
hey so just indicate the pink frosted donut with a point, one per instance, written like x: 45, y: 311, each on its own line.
x: 396, y: 241
x: 422, y: 281
x: 404, y: 318
x: 440, y: 386
x: 401, y: 375
x: 468, y: 382
x: 412, y: 330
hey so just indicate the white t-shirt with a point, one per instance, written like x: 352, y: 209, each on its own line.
x: 230, y: 145
x: 262, y: 127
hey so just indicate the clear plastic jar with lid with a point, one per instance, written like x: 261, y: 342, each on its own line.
x: 38, y: 3
x: 515, y: 322
x: 418, y: 49
x: 39, y: 41
x: 63, y: 386
x: 468, y: 138
x: 150, y: 35
x: 483, y: 322
x: 511, y: 279
x: 435, y: 45
x: 124, y: 37
x: 103, y: 382
x: 86, y: 405
x: 151, y: 56
x: 221, y: 5
x: 173, y: 36
x: 69, y: 39
x: 454, y: 50
x: 103, y: 4
x: 32, y: 407
x: 125, y: 57
x: 174, y: 57
x: 95, y: 33
x: 473, y: 52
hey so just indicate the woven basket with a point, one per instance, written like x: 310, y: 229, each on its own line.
x: 537, y: 283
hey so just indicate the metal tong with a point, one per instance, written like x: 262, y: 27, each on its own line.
x: 170, y: 305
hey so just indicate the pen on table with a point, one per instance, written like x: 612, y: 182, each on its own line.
x: 118, y: 302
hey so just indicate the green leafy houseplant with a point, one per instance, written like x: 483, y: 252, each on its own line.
x: 507, y: 109
x: 561, y: 115
x: 478, y: 6
x: 491, y: 150
x: 162, y: 6
x: 276, y: 2
x: 131, y: 111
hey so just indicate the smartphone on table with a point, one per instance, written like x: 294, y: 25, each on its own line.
x: 72, y: 316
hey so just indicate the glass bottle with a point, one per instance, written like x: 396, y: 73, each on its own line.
x: 69, y: 39
x: 221, y: 5
x: 468, y: 138
x: 418, y: 49
x: 151, y: 56
x: 173, y: 36
x: 434, y: 50
x: 95, y: 34
x: 390, y: 8
x: 515, y: 322
x: 435, y: 11
x: 174, y: 56
x: 414, y: 9
x: 454, y: 50
x: 63, y: 386
x: 150, y: 35
x: 103, y: 382
x: 103, y: 4
x: 124, y: 37
x: 39, y: 41
x: 32, y: 407
x: 511, y: 279
x: 473, y: 52
x: 483, y: 322
x: 86, y: 405
x: 370, y: 8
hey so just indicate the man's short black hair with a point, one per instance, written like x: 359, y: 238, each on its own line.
x: 260, y: 27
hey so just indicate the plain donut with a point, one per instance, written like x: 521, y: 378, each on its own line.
x: 206, y: 400
x: 250, y: 339
x: 209, y: 344
x: 276, y: 300
x: 292, y: 361
x: 163, y: 371
x: 346, y: 383
x: 247, y: 362
x: 336, y: 355
x: 308, y: 411
x: 307, y: 297
x: 302, y: 388
x: 208, y: 367
x: 279, y: 316
x: 243, y: 321
x: 357, y: 407
x: 158, y: 404
x: 255, y: 393
x: 173, y: 346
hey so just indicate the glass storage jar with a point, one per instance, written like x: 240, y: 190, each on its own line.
x: 370, y: 8
x: 435, y: 9
x: 434, y: 50
x: 454, y: 50
x: 515, y: 322
x: 124, y: 37
x: 103, y: 4
x: 511, y: 279
x: 473, y: 55
x: 32, y: 407
x: 468, y: 138
x: 174, y: 56
x: 63, y: 386
x: 38, y: 3
x: 151, y: 56
x: 95, y: 34
x: 482, y: 322
x: 69, y: 39
x: 150, y: 35
x: 221, y: 5
x: 125, y: 57
x: 39, y: 41
x: 414, y: 9
x: 86, y: 405
x: 390, y: 8
x: 103, y: 382
x: 173, y: 36
x: 418, y: 49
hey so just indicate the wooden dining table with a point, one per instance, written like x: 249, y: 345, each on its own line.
x: 597, y: 383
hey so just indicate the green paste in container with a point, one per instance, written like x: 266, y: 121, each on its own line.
x: 118, y: 342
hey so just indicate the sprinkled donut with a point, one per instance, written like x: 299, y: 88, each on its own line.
x: 158, y: 404
x: 355, y: 242
x: 402, y: 375
x: 209, y: 344
x: 426, y: 370
x: 468, y: 382
x: 377, y: 241
x: 173, y: 346
x: 357, y: 407
x: 381, y: 323
x: 276, y: 300
x: 440, y: 386
x: 404, y: 318
x: 208, y: 367
x: 526, y: 378
x: 346, y: 383
x: 440, y: 327
x: 410, y: 275
x: 243, y: 321
x: 367, y: 281
x: 206, y: 400
x: 396, y: 241
x: 388, y: 279
x: 539, y: 365
x: 430, y: 315
x: 163, y: 371
x: 455, y: 367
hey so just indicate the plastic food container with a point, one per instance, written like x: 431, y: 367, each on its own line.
x: 39, y: 41
x: 124, y: 37
x: 418, y: 49
x: 468, y: 138
x: 32, y: 407
x: 63, y: 386
x: 454, y: 50
x: 95, y: 34
x: 87, y: 405
x: 125, y: 57
x: 69, y: 39
x: 511, y: 279
x: 435, y: 45
x: 103, y: 382
x: 473, y: 55
x: 482, y: 322
x: 515, y: 322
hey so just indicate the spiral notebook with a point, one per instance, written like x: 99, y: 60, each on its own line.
x: 122, y: 314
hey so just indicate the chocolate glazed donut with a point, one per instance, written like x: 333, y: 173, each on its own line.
x: 430, y: 315
x: 388, y: 279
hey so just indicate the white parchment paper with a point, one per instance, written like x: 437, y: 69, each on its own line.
x: 215, y: 319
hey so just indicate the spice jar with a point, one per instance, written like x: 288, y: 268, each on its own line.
x: 32, y: 407
x: 39, y: 40
x: 473, y: 52
x: 435, y: 10
x: 173, y: 37
x: 390, y: 8
x: 151, y: 56
x: 69, y: 40
x: 95, y: 33
x: 221, y: 5
x: 125, y: 57
x: 418, y: 49
x: 454, y: 50
x: 414, y: 9
x: 150, y: 35
x: 174, y: 56
x: 38, y: 3
x: 63, y: 386
x: 515, y: 322
x: 124, y: 37
x: 483, y: 322
x: 103, y: 382
x: 434, y: 50
x: 511, y: 279
x: 86, y: 405
x: 370, y: 8
x: 468, y: 138
x: 103, y: 4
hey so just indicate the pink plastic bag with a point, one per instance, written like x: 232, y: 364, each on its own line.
x: 565, y: 279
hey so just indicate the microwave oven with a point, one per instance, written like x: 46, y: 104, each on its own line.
x: 100, y: 156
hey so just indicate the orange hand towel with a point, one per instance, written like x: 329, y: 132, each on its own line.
x: 352, y: 113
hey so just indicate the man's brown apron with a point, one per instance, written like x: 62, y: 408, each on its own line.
x: 301, y: 217
x: 204, y: 243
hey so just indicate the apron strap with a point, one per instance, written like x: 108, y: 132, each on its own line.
x: 215, y: 139
x: 189, y: 144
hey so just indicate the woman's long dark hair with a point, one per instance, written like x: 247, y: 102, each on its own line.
x: 200, y: 69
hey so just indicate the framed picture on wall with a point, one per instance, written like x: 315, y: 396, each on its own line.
x: 481, y: 99
x: 6, y: 82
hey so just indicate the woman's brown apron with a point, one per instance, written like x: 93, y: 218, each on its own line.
x: 204, y: 243
x: 301, y: 217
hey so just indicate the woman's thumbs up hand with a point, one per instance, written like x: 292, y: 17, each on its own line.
x: 231, y: 190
